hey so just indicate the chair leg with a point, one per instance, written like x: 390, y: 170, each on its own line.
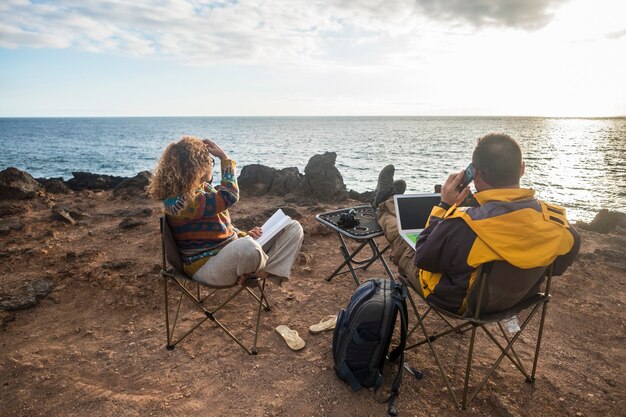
x: 266, y: 303
x: 169, y: 345
x: 539, y: 337
x: 208, y: 315
x: 468, y: 369
x: 428, y: 340
x: 258, y: 316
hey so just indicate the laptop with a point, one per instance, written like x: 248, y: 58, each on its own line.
x: 412, y: 213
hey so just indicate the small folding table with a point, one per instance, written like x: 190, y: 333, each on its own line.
x: 364, y: 232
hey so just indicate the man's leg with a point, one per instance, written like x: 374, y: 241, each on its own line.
x: 401, y: 254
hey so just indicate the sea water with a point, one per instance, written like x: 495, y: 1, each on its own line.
x: 577, y: 163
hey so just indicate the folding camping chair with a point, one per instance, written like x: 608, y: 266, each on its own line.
x: 172, y: 273
x: 499, y: 292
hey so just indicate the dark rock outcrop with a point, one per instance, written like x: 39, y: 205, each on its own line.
x: 136, y: 184
x: 28, y: 295
x: 88, y: 181
x: 363, y: 197
x: 54, y: 185
x: 17, y: 185
x: 286, y: 181
x: 11, y: 208
x: 256, y: 179
x: 9, y: 225
x: 322, y: 179
x: 129, y: 223
x: 605, y: 222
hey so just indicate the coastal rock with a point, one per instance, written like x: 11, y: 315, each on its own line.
x: 89, y: 181
x: 256, y: 179
x: 9, y: 225
x: 28, y: 295
x: 8, y: 208
x: 54, y: 185
x: 322, y: 179
x: 286, y: 181
x: 605, y: 221
x: 17, y: 185
x: 134, y: 185
x: 129, y: 223
x: 363, y: 197
x: 63, y: 215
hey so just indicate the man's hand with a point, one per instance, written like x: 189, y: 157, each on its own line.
x: 449, y: 192
x: 214, y: 149
x: 255, y: 233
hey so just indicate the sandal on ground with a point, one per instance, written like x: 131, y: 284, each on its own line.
x: 326, y: 323
x: 293, y: 339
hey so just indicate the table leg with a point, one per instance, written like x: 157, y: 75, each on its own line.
x: 348, y: 258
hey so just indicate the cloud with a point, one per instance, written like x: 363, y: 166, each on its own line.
x: 253, y: 32
x: 521, y: 14
x: 617, y: 35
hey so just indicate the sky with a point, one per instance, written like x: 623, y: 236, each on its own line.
x: 313, y: 57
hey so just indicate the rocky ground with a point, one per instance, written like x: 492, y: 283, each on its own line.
x: 83, y: 333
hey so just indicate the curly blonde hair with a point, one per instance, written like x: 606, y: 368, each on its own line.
x: 181, y: 169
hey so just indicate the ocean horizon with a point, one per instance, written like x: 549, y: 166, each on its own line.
x: 574, y: 162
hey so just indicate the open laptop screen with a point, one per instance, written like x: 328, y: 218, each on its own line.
x: 414, y: 209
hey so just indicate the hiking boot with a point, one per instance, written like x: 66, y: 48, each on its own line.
x: 399, y: 187
x: 384, y: 188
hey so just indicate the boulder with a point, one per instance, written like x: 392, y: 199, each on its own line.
x: 256, y: 179
x: 363, y: 197
x: 54, y: 185
x: 322, y: 179
x: 605, y: 221
x: 17, y: 185
x: 62, y: 215
x: 88, y: 181
x: 286, y: 181
x: 12, y: 208
x: 9, y: 225
x: 129, y: 223
x: 138, y: 183
x: 28, y: 295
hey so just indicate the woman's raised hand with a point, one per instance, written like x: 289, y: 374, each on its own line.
x: 214, y: 149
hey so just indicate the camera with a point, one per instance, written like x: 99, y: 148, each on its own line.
x: 348, y: 219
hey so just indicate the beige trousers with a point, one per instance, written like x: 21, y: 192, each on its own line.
x: 401, y: 254
x: 244, y: 256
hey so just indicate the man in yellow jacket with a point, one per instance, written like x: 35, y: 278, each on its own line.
x: 510, y: 224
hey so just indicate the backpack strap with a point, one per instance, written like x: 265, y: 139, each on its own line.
x: 400, y: 294
x: 349, y: 376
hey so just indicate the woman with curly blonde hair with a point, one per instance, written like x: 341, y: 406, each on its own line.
x: 212, y: 249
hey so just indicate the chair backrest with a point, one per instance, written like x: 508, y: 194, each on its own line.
x: 170, y: 250
x: 505, y: 288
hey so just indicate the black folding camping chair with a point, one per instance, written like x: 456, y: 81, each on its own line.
x: 190, y: 290
x: 499, y: 292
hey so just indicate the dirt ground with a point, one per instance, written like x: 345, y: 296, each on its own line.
x: 95, y: 346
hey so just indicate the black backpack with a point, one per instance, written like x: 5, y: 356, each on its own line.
x: 363, y: 334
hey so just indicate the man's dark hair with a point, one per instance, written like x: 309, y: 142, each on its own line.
x: 499, y: 158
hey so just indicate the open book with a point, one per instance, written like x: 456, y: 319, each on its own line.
x: 272, y: 226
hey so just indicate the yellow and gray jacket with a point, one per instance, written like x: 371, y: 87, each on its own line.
x: 510, y: 225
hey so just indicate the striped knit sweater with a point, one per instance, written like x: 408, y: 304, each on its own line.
x: 202, y: 227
